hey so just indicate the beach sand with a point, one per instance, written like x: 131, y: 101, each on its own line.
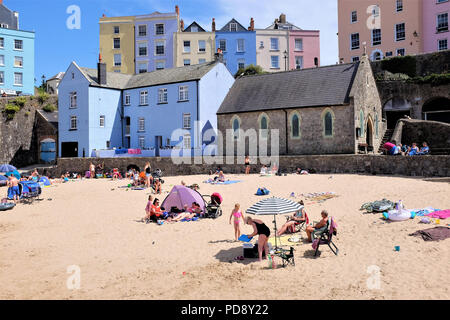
x: 91, y: 224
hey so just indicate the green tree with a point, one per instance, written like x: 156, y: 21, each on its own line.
x: 249, y: 70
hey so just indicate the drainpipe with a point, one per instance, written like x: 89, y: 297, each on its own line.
x: 198, y: 114
x: 286, y: 130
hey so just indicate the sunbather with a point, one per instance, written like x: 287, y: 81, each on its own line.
x: 296, y: 218
x: 319, y: 227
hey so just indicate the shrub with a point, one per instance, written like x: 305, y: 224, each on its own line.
x: 42, y: 97
x: 433, y: 79
x: 20, y: 101
x: 11, y: 110
x: 405, y: 65
x: 49, y: 108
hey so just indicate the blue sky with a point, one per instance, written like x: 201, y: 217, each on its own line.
x: 57, y: 46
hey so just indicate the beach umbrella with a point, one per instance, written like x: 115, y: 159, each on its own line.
x: 274, y: 206
x: 7, y: 168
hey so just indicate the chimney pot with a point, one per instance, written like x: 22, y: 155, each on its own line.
x: 252, y: 25
x: 213, y: 27
x: 177, y: 10
x: 101, y: 71
x: 182, y: 25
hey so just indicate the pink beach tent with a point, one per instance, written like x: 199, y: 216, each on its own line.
x: 181, y: 196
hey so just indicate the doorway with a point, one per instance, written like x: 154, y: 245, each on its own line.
x: 369, y: 135
x: 69, y: 150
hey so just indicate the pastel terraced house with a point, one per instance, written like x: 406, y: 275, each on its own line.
x: 435, y: 25
x: 194, y: 45
x: 100, y: 110
x: 16, y: 55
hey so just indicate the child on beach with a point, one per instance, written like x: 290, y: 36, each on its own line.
x: 237, y: 214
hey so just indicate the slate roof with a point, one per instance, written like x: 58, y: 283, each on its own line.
x: 51, y: 117
x: 148, y: 79
x: 239, y: 28
x: 189, y: 28
x: 324, y: 86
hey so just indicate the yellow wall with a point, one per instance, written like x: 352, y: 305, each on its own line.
x: 126, y: 35
x: 194, y: 55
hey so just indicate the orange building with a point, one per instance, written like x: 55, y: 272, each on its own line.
x: 385, y: 28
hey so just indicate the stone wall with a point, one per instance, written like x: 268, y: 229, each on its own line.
x: 436, y: 134
x: 358, y: 164
x: 17, y: 136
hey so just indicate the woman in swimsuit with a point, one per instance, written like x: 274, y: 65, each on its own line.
x: 236, y: 213
x: 259, y: 228
x: 247, y: 165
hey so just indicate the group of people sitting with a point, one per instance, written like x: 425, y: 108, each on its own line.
x: 155, y: 213
x: 144, y: 178
x: 404, y: 150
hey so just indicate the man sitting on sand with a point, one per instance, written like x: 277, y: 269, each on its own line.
x: 13, y: 183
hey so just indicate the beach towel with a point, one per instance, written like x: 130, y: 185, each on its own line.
x: 433, y: 234
x: 443, y: 214
x: 134, y: 151
x: 423, y: 212
x: 222, y: 182
x: 121, y: 151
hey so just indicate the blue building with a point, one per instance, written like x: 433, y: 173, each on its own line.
x: 238, y: 45
x: 16, y: 55
x: 100, y: 110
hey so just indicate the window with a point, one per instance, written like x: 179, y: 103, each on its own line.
x: 186, y: 46
x: 400, y: 32
x: 162, y: 95
x: 355, y: 41
x: 159, y: 29
x: 233, y: 27
x: 376, y: 125
x: 160, y: 65
x: 274, y: 44
x: 142, y: 67
x: 183, y: 93
x: 223, y: 45
x: 389, y: 54
x: 142, y: 49
x: 376, y: 11
x: 298, y: 44
x: 108, y: 144
x: 328, y: 124
x: 295, y: 126
x: 361, y: 122
x: 116, y: 43
x: 194, y: 29
x: 399, y: 5
x: 141, y: 125
x: 186, y: 120
x: 442, y: 44
x: 401, y: 52
x: 240, y: 45
x: 263, y: 127
x: 187, y: 62
x: 200, y: 61
x: 236, y: 125
x: 298, y: 62
x: 160, y: 47
x: 241, y: 63
x: 442, y: 22
x: 275, y: 62
x: 201, y: 46
x: 261, y: 44
x: 2, y: 77
x: 2, y: 43
x: 117, y: 71
x: 441, y: 1
x: 117, y: 60
x: 187, y: 141
x: 73, y: 123
x: 2, y: 60
x: 116, y: 30
x: 354, y: 17
x: 143, y: 101
x: 18, y: 45
x: 102, y: 121
x: 142, y: 142
x: 142, y: 30
x: 18, y: 62
x: 73, y: 100
x: 355, y: 59
x: 127, y: 99
x: 376, y: 37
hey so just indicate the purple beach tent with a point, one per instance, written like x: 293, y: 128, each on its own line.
x: 181, y: 196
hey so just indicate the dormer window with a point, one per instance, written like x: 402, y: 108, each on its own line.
x: 233, y: 27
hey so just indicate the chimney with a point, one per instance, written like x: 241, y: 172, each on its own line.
x: 252, y: 25
x: 213, y: 26
x: 218, y: 56
x: 282, y: 18
x: 177, y: 10
x: 182, y: 25
x: 103, y: 15
x: 101, y: 71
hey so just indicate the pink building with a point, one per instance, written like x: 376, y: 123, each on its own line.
x: 435, y: 25
x: 304, y: 49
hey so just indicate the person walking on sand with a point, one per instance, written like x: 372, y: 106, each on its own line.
x: 13, y: 183
x: 259, y: 228
x: 149, y: 211
x: 237, y: 214
x: 92, y: 171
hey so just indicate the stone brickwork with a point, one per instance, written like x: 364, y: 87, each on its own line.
x: 436, y: 134
x: 429, y: 166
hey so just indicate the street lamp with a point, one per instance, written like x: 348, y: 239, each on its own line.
x: 285, y: 59
x: 43, y: 82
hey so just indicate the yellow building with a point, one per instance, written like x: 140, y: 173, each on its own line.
x: 117, y: 43
x: 193, y: 46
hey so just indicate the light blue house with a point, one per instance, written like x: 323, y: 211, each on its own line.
x: 238, y: 45
x: 154, y: 41
x: 100, y: 110
x: 16, y: 55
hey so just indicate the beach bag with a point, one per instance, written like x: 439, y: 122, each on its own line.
x: 262, y: 192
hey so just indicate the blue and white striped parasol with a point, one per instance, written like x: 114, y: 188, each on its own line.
x: 274, y: 206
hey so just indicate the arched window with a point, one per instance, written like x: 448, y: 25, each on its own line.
x: 236, y: 125
x: 295, y: 125
x: 263, y: 125
x: 328, y: 124
x: 376, y: 125
x: 361, y: 122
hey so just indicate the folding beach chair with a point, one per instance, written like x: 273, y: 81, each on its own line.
x: 287, y: 256
x: 325, y: 237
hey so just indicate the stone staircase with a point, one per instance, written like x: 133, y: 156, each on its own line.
x: 386, y: 138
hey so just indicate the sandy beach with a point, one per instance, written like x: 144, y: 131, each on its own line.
x: 92, y: 224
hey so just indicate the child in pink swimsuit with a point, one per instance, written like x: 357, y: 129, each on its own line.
x: 237, y: 214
